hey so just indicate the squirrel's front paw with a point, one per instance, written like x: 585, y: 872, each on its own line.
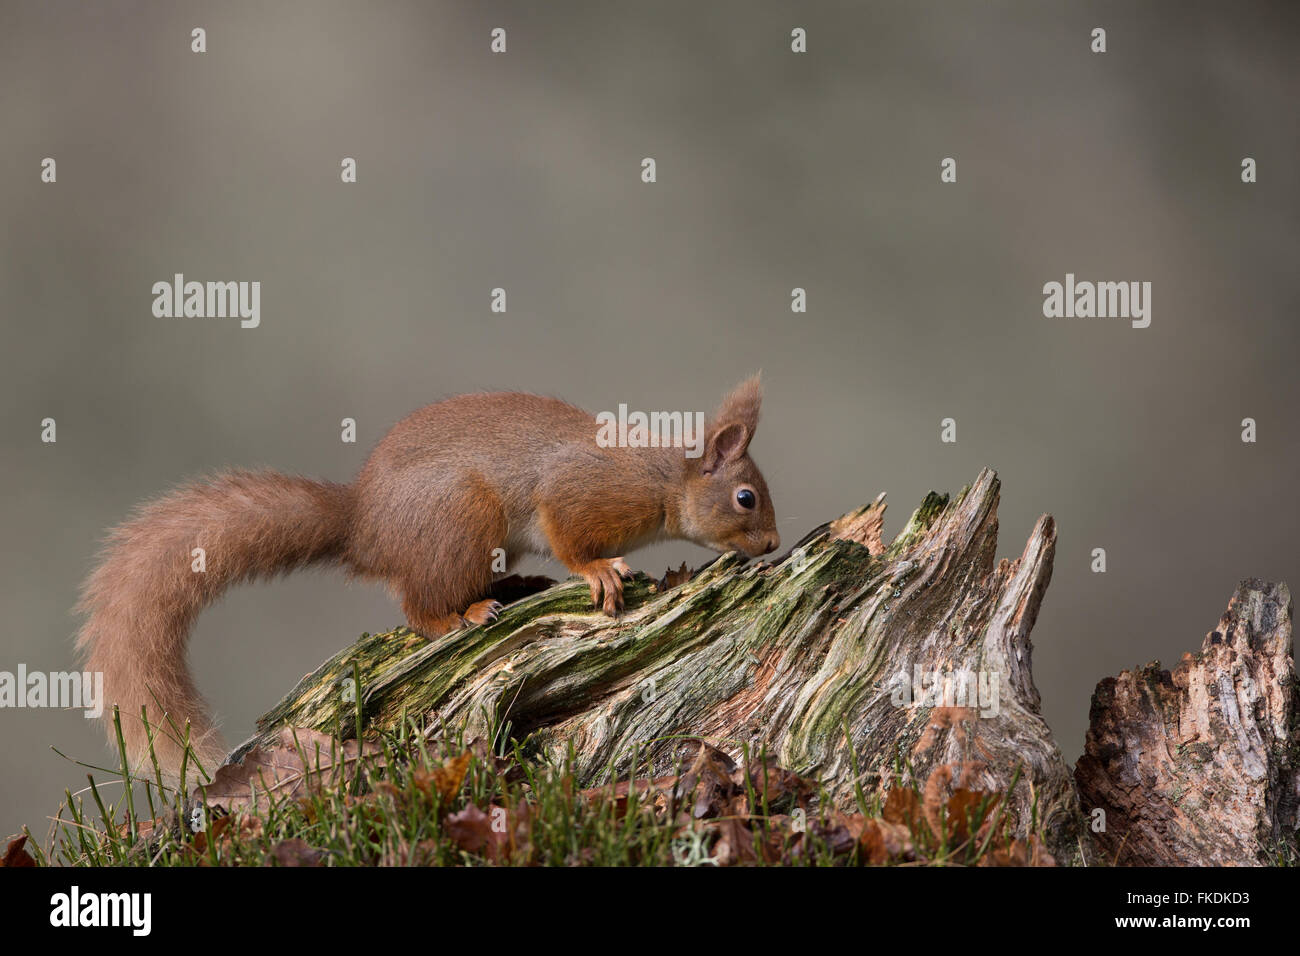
x: 605, y: 576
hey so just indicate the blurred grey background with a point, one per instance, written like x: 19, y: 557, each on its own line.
x: 775, y: 170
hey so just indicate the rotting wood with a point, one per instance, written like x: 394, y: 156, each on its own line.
x: 816, y: 658
x: 1200, y: 765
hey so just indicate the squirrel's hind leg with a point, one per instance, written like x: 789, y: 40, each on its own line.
x: 450, y: 569
x: 483, y: 612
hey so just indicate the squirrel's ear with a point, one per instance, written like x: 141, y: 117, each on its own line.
x: 726, y: 442
x: 733, y: 425
x: 741, y: 406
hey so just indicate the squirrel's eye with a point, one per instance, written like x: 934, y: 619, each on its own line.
x: 745, y: 498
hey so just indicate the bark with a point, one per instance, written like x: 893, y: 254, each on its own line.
x: 825, y: 658
x: 1201, y: 765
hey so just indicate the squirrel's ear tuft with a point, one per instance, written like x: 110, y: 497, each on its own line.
x: 741, y: 405
x: 733, y: 425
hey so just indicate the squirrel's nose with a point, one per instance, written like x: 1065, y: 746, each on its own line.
x: 771, y: 543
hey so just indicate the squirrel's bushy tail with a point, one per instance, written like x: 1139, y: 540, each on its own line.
x: 145, y: 594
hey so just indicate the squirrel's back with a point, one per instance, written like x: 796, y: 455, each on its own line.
x: 505, y: 431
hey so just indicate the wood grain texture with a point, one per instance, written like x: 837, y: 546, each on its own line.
x: 1201, y: 764
x: 818, y: 657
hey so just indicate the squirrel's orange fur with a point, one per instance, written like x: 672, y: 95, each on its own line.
x: 442, y: 490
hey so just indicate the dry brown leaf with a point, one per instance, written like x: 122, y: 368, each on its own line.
x: 1019, y: 852
x: 840, y: 832
x: 652, y: 793
x: 308, y: 809
x: 517, y: 844
x: 296, y: 852
x: 298, y: 763
x: 225, y: 829
x: 672, y: 579
x: 937, y: 804
x: 884, y: 842
x: 853, y: 824
x: 934, y: 802
x: 708, y: 782
x: 770, y: 782
x: 902, y: 805
x: 445, y: 780
x: 147, y: 828
x: 734, y: 844
x: 15, y: 855
x: 964, y: 814
x: 470, y: 829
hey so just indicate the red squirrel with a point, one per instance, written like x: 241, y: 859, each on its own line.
x: 446, y: 487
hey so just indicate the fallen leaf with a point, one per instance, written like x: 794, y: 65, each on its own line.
x: 1019, y: 852
x: 672, y: 579
x: 15, y: 855
x: 509, y: 840
x: 296, y: 852
x: 884, y: 842
x: 444, y: 780
x: 734, y: 844
x: 964, y: 813
x: 770, y: 782
x: 470, y: 829
x: 299, y: 762
x: 649, y: 793
x: 938, y: 804
x: 902, y: 805
x: 708, y: 781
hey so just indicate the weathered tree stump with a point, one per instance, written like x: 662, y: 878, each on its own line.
x: 1201, y: 765
x: 826, y: 658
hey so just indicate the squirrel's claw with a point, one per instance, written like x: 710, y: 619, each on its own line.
x: 483, y: 612
x: 605, y: 577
